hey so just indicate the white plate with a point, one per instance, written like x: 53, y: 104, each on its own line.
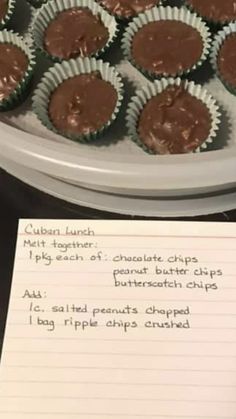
x: 115, y: 164
x: 122, y: 204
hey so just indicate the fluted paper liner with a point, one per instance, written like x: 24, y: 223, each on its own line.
x: 8, y: 15
x: 50, y: 10
x: 18, y: 94
x: 219, y: 39
x: 139, y: 101
x: 166, y: 13
x: 65, y: 70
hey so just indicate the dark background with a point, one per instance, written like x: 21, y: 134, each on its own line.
x: 20, y: 201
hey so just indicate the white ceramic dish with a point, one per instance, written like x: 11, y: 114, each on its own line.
x: 115, y: 164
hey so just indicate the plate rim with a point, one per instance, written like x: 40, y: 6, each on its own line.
x: 95, y: 167
x: 89, y: 198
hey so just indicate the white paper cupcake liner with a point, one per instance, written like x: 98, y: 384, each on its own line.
x: 65, y: 70
x: 158, y: 86
x: 166, y: 13
x: 10, y: 11
x: 20, y: 91
x: 219, y: 39
x: 49, y: 11
x: 124, y: 19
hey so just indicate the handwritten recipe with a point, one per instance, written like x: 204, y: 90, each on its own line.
x: 121, y: 319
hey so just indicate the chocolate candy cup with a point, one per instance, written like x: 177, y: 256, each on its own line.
x: 68, y: 70
x: 125, y: 13
x: 48, y: 12
x: 19, y: 93
x: 143, y: 96
x: 167, y: 15
x: 215, y: 12
x: 227, y: 77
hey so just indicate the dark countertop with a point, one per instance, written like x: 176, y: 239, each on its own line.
x: 20, y: 201
x: 8, y: 229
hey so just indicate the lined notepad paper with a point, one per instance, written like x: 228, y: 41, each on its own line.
x: 121, y: 319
